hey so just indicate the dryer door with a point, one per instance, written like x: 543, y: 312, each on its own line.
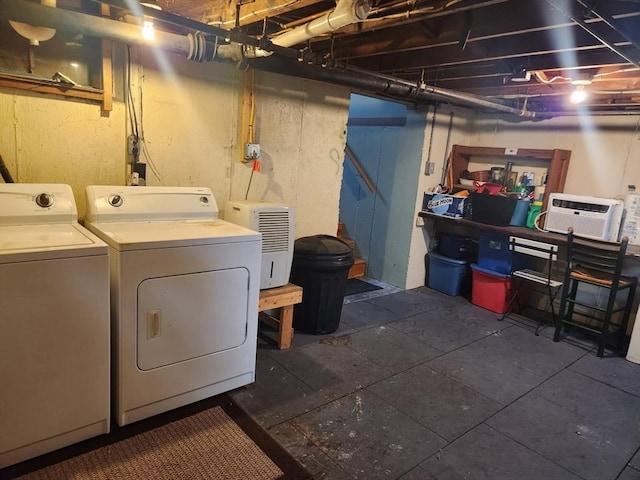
x: 183, y: 317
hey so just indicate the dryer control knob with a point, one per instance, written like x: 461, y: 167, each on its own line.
x: 44, y: 200
x: 115, y: 200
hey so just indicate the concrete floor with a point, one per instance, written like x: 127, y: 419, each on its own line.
x: 420, y: 385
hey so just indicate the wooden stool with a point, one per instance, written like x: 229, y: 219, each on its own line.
x: 281, y: 299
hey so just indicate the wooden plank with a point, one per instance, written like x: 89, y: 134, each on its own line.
x: 107, y: 76
x: 107, y: 68
x: 289, y: 294
x: 500, y: 152
x: 360, y: 169
x: 52, y: 88
x: 358, y: 269
x: 222, y: 13
x: 285, y: 332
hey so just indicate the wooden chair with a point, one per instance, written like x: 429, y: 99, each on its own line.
x: 543, y: 277
x: 598, y: 264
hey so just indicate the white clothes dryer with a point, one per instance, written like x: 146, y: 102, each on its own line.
x: 54, y: 324
x: 184, y: 296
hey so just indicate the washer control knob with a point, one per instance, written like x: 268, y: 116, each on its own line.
x: 115, y: 200
x: 44, y: 200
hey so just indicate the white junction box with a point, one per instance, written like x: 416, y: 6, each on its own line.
x: 276, y: 223
x: 590, y: 217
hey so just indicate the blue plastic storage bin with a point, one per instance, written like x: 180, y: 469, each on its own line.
x: 447, y: 275
x: 493, y: 253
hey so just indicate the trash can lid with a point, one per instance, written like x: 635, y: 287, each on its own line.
x: 321, y: 245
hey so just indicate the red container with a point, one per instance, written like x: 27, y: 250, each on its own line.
x: 489, y: 289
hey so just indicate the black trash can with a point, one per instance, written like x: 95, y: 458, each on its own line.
x: 320, y: 266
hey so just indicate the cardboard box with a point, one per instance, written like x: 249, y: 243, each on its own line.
x: 441, y: 204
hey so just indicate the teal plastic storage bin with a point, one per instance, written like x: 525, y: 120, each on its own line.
x: 519, y: 217
x: 448, y: 275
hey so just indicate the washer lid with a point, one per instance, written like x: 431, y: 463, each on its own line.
x: 40, y: 242
x: 157, y: 234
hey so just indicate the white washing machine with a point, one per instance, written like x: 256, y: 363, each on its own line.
x: 54, y: 324
x: 184, y: 296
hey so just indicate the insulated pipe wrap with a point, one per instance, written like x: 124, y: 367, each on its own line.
x: 345, y: 13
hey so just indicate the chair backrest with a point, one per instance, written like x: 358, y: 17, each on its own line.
x: 596, y: 256
x: 534, y: 248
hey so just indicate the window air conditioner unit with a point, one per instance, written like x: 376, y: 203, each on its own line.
x: 276, y: 223
x: 590, y: 217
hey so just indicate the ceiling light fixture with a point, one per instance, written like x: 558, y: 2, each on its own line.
x: 148, y: 32
x: 579, y: 95
x: 582, y: 80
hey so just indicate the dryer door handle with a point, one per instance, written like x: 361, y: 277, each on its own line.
x: 154, y: 324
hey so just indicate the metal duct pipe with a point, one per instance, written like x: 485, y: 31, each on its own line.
x: 345, y: 13
x: 377, y: 83
x: 75, y: 22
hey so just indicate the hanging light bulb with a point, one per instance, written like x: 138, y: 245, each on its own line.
x: 148, y: 32
x: 579, y: 95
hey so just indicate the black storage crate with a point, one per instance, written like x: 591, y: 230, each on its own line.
x: 492, y: 209
x: 457, y: 247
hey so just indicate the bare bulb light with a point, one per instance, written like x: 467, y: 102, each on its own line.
x: 579, y: 95
x: 148, y: 32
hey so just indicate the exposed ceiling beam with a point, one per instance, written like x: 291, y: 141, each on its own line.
x: 631, y: 57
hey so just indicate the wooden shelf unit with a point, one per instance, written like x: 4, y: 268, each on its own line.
x: 558, y: 162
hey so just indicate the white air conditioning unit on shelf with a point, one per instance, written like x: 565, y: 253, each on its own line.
x: 590, y: 217
x: 276, y: 223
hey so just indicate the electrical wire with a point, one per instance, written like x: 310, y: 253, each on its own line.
x: 246, y: 195
x: 132, y: 109
x: 536, y: 221
x: 137, y: 128
x: 145, y: 150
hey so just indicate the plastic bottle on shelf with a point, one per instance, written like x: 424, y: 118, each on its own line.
x: 534, y: 210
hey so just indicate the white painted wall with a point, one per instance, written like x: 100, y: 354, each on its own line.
x: 605, y: 150
x: 46, y: 139
x: 437, y: 153
x: 301, y: 129
x: 188, y: 113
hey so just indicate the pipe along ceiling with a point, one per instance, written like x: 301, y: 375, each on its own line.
x: 209, y: 43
